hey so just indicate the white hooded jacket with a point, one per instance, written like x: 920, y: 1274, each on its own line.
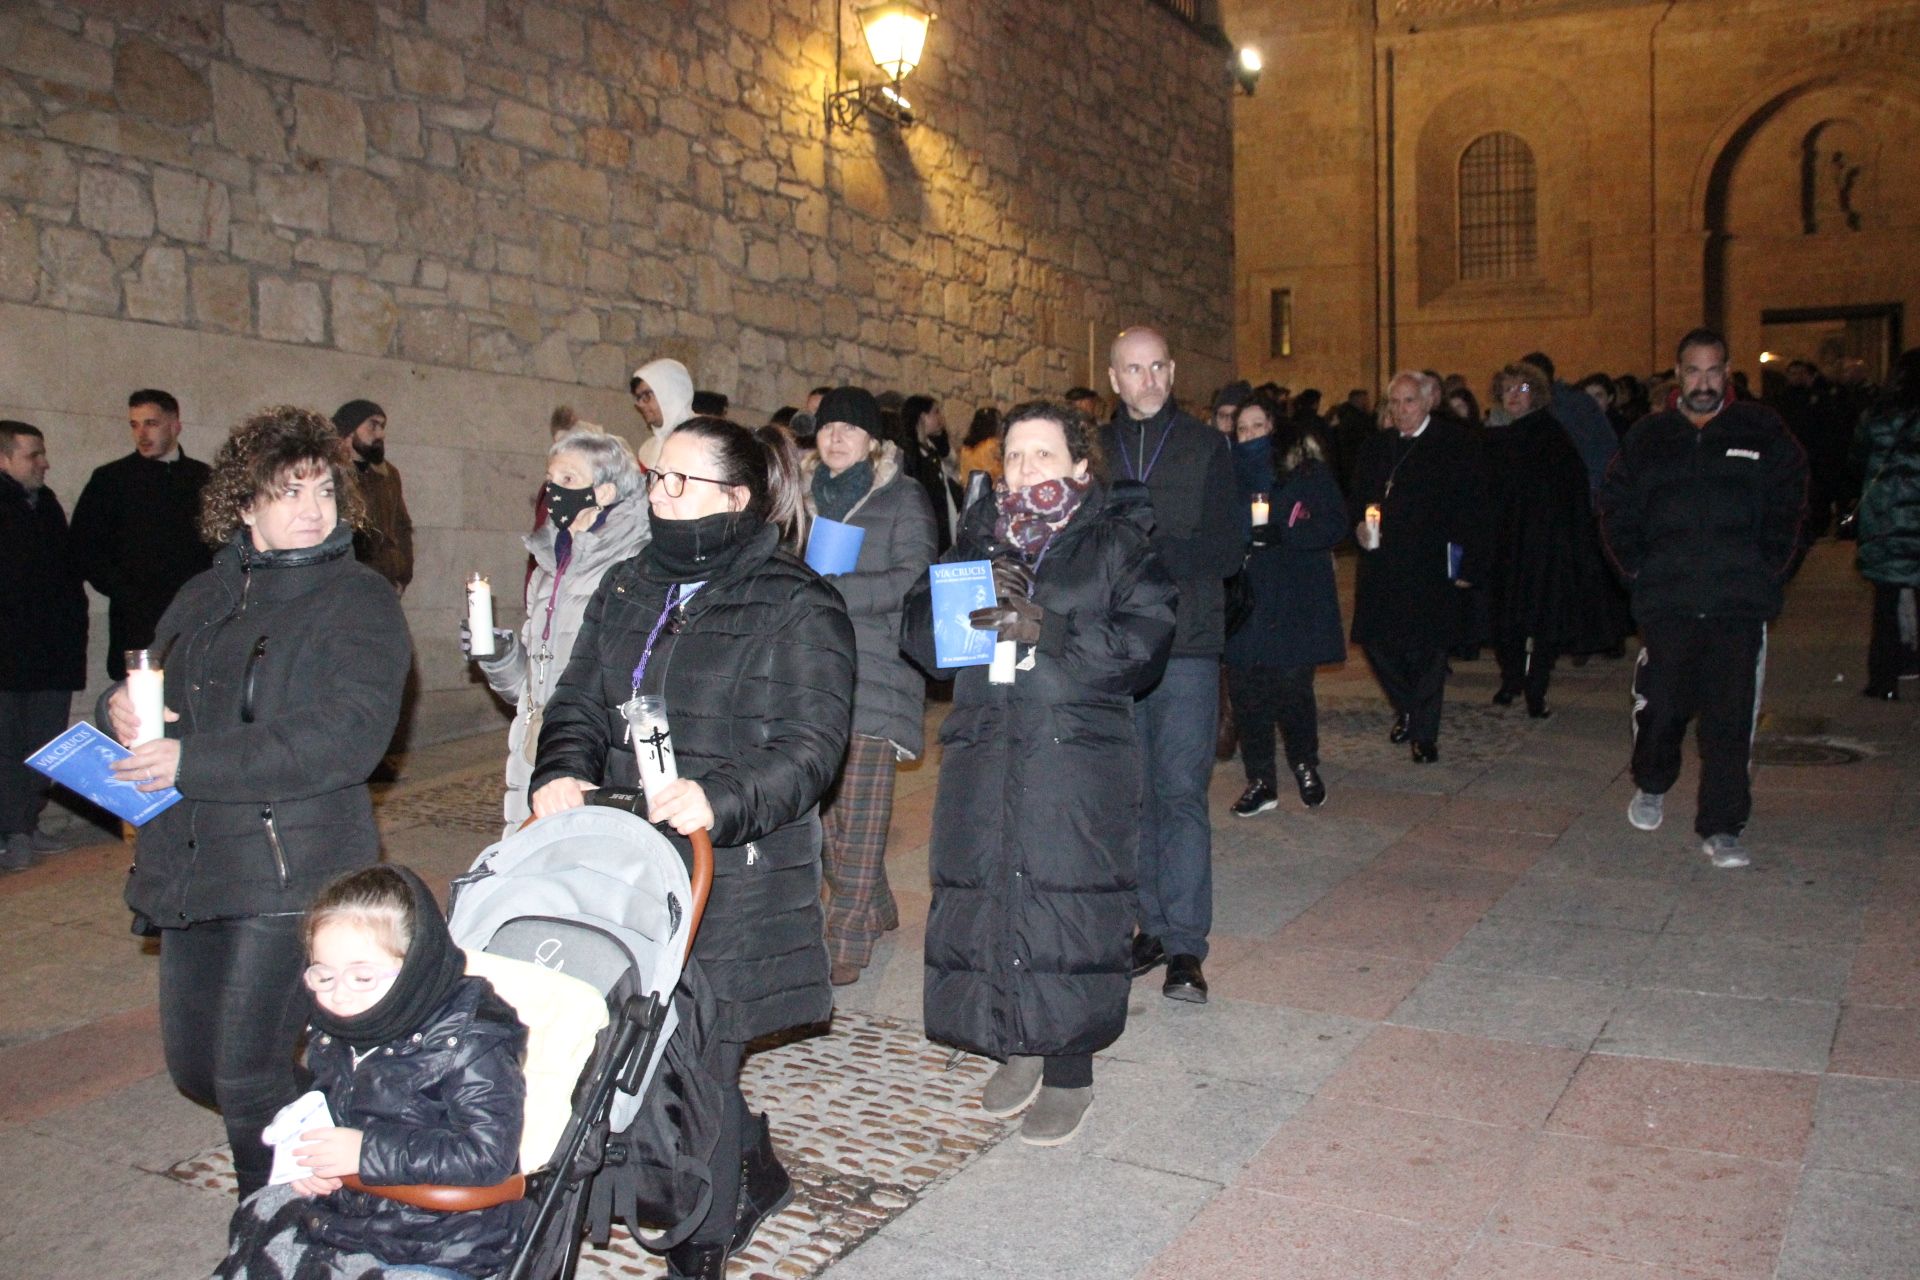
x: 673, y: 389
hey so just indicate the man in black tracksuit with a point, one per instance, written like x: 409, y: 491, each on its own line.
x: 1702, y: 511
x: 1200, y: 532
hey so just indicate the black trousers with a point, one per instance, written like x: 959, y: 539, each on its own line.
x: 1415, y: 682
x: 1067, y: 1071
x: 1524, y: 673
x: 728, y: 1149
x: 231, y: 1013
x: 28, y: 719
x: 1710, y: 669
x: 1263, y: 696
x: 1887, y: 657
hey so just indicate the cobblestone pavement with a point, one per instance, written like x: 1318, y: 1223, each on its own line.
x: 866, y: 1118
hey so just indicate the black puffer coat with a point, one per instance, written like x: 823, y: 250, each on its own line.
x: 757, y: 670
x: 286, y: 668
x: 443, y: 1106
x: 1704, y: 522
x: 1037, y: 821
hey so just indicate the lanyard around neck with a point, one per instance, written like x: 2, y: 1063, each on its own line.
x: 1127, y: 460
x: 677, y: 595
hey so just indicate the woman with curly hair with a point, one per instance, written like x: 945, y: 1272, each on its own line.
x: 284, y: 667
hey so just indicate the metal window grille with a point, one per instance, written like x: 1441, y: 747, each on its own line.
x: 1499, y: 218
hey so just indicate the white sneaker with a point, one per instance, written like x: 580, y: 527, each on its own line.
x: 1644, y: 811
x: 1725, y: 851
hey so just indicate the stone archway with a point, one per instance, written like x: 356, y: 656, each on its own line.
x: 1802, y: 202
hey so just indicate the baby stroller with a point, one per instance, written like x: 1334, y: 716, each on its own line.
x: 584, y: 922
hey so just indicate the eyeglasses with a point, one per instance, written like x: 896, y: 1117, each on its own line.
x: 358, y: 979
x: 675, y: 482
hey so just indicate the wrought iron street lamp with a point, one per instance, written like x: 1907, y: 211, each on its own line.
x: 896, y: 35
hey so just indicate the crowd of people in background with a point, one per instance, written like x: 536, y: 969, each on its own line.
x: 1164, y: 585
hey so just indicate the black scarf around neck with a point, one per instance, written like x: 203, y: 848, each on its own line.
x: 702, y: 549
x: 428, y: 975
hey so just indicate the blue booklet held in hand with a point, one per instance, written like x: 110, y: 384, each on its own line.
x: 959, y: 589
x: 1455, y: 555
x: 833, y: 547
x: 81, y: 760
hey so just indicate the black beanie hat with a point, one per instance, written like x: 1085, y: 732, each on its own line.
x: 853, y: 405
x: 348, y: 417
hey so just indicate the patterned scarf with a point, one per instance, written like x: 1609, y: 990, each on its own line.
x: 1029, y: 517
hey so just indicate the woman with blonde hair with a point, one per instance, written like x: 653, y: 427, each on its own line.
x: 858, y: 478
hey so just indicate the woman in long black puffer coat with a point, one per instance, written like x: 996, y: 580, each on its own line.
x: 755, y: 657
x: 1037, y: 820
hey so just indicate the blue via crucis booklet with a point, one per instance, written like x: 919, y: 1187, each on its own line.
x: 81, y: 760
x: 958, y: 589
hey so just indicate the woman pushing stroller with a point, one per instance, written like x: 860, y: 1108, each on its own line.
x: 753, y: 654
x: 420, y: 1066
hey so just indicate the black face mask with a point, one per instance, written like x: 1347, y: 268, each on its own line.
x: 371, y: 454
x: 695, y: 550
x: 565, y: 505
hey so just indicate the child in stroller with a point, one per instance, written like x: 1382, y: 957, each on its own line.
x: 420, y: 1065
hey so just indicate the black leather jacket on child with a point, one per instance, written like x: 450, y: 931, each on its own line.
x: 444, y: 1105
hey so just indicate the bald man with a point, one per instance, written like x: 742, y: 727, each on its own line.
x: 1200, y: 533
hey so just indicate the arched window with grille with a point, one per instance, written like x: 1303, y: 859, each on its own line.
x: 1499, y: 218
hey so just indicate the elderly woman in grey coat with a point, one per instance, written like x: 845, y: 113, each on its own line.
x: 596, y: 518
x: 858, y: 478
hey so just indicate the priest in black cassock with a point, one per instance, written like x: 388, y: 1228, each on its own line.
x: 1420, y: 562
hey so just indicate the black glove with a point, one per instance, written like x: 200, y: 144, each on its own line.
x: 1265, y: 535
x: 1011, y: 579
x: 1018, y: 620
x: 504, y: 643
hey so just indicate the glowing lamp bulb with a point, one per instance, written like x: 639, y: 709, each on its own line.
x: 896, y: 34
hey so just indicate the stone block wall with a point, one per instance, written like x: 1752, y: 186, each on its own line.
x: 470, y: 210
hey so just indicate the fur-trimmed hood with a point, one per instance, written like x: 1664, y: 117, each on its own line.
x: 885, y: 457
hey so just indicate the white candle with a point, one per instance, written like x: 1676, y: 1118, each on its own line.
x: 1373, y: 526
x: 1262, y: 509
x: 147, y: 688
x: 1000, y: 670
x: 652, y: 744
x: 480, y: 616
